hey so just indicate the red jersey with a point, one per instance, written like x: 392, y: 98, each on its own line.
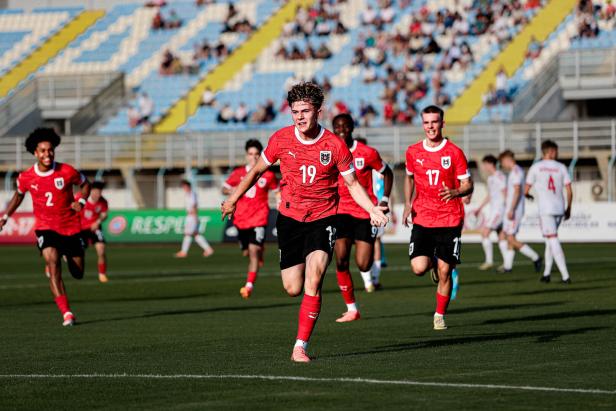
x: 252, y: 208
x: 365, y: 159
x: 92, y: 211
x: 431, y: 167
x: 52, y: 196
x: 310, y: 171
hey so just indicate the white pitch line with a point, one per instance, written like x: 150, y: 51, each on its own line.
x: 310, y: 379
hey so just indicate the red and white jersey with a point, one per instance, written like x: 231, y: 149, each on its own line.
x: 365, y: 159
x: 52, y: 196
x: 91, y: 211
x: 310, y: 171
x: 431, y: 167
x: 497, y: 188
x: 252, y: 208
x: 515, y: 178
x: 549, y: 178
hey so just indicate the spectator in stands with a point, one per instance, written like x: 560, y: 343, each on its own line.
x: 133, y: 117
x: 146, y: 109
x: 270, y: 111
x: 323, y: 52
x: 157, y: 21
x: 609, y: 11
x: 502, y: 94
x: 208, y: 98
x: 368, y: 16
x: 369, y: 74
x: 226, y: 114
x: 534, y: 48
x: 339, y: 108
x: 389, y: 112
x: 170, y: 64
x: 156, y: 3
x: 173, y: 21
x: 489, y: 98
x: 241, y: 114
x: 367, y: 114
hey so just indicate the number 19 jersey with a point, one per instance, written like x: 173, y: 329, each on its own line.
x: 310, y: 169
x: 549, y: 177
x: 431, y: 167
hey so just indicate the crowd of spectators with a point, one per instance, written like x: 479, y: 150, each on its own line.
x: 321, y: 20
x: 590, y: 16
x: 322, y: 52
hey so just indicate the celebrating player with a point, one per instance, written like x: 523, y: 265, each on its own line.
x: 251, y: 213
x: 93, y: 213
x: 56, y: 211
x: 514, y: 211
x: 497, y: 190
x: 353, y: 221
x: 437, y: 173
x: 191, y: 224
x: 311, y: 159
x: 548, y: 177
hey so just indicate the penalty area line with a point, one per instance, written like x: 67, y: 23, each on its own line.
x: 311, y: 379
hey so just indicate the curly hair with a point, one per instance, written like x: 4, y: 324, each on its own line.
x: 308, y: 92
x: 39, y: 135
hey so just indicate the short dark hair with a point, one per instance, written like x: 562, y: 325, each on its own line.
x: 98, y: 184
x: 42, y: 134
x: 433, y: 109
x: 489, y: 159
x: 506, y: 153
x: 252, y: 143
x: 361, y: 140
x: 548, y: 144
x: 344, y: 116
x: 308, y: 92
x: 185, y: 182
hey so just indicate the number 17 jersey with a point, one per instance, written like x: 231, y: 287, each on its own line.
x: 430, y: 168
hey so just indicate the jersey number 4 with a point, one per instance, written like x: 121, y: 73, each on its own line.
x: 551, y: 185
x: 433, y: 176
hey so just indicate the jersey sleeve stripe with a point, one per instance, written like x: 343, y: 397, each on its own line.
x: 226, y: 185
x: 464, y: 176
x: 409, y: 173
x: 349, y: 171
x: 269, y: 163
x: 382, y: 169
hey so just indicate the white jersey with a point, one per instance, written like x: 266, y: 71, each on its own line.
x: 497, y: 184
x: 549, y: 178
x: 515, y: 178
x: 191, y: 201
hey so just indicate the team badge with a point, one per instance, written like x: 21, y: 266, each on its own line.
x: 325, y: 157
x: 446, y: 162
x: 262, y: 182
x: 359, y: 163
x: 59, y: 182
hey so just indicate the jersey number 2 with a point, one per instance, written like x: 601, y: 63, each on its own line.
x: 49, y: 196
x: 551, y: 185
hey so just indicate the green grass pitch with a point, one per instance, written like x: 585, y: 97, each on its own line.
x: 163, y: 317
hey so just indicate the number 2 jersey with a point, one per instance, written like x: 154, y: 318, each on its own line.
x: 252, y: 209
x: 52, y: 196
x: 430, y: 168
x: 310, y: 170
x: 365, y: 159
x: 548, y: 178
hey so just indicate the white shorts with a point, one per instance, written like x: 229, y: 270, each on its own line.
x: 511, y: 227
x: 494, y: 220
x: 191, y: 225
x: 549, y: 224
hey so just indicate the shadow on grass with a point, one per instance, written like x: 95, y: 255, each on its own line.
x: 541, y: 337
x: 552, y: 316
x: 551, y: 290
x: 188, y: 312
x: 112, y: 300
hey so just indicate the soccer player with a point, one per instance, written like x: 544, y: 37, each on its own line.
x: 311, y: 159
x: 250, y: 217
x: 549, y: 177
x: 497, y: 190
x: 191, y: 224
x: 56, y: 211
x: 353, y: 221
x: 514, y: 211
x: 438, y: 177
x: 93, y: 213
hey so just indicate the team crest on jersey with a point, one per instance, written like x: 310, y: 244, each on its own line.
x: 446, y: 162
x: 360, y: 163
x: 325, y: 157
x: 59, y: 182
x: 262, y: 182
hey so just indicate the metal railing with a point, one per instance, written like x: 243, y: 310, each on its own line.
x: 535, y: 89
x: 18, y: 105
x: 587, y: 68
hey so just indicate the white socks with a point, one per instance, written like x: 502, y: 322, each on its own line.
x: 199, y: 239
x: 367, y: 277
x: 186, y: 243
x: 548, y: 260
x: 502, y: 246
x: 508, y: 259
x: 301, y: 343
x: 486, y: 243
x: 351, y: 307
x: 376, y: 271
x: 529, y: 252
x: 559, y: 257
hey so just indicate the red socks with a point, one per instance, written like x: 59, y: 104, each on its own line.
x: 308, y: 313
x: 442, y: 302
x: 252, y: 277
x: 62, y: 303
x: 102, y: 268
x: 345, y: 282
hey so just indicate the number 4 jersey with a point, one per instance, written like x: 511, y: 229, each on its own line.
x: 52, y: 196
x: 548, y: 178
x: 310, y: 169
x: 431, y: 167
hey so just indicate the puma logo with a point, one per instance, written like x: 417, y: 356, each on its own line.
x: 291, y: 154
x: 420, y: 161
x: 34, y: 186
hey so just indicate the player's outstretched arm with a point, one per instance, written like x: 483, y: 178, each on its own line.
x: 409, y: 187
x: 10, y: 209
x: 228, y: 206
x: 84, y: 194
x: 377, y: 213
